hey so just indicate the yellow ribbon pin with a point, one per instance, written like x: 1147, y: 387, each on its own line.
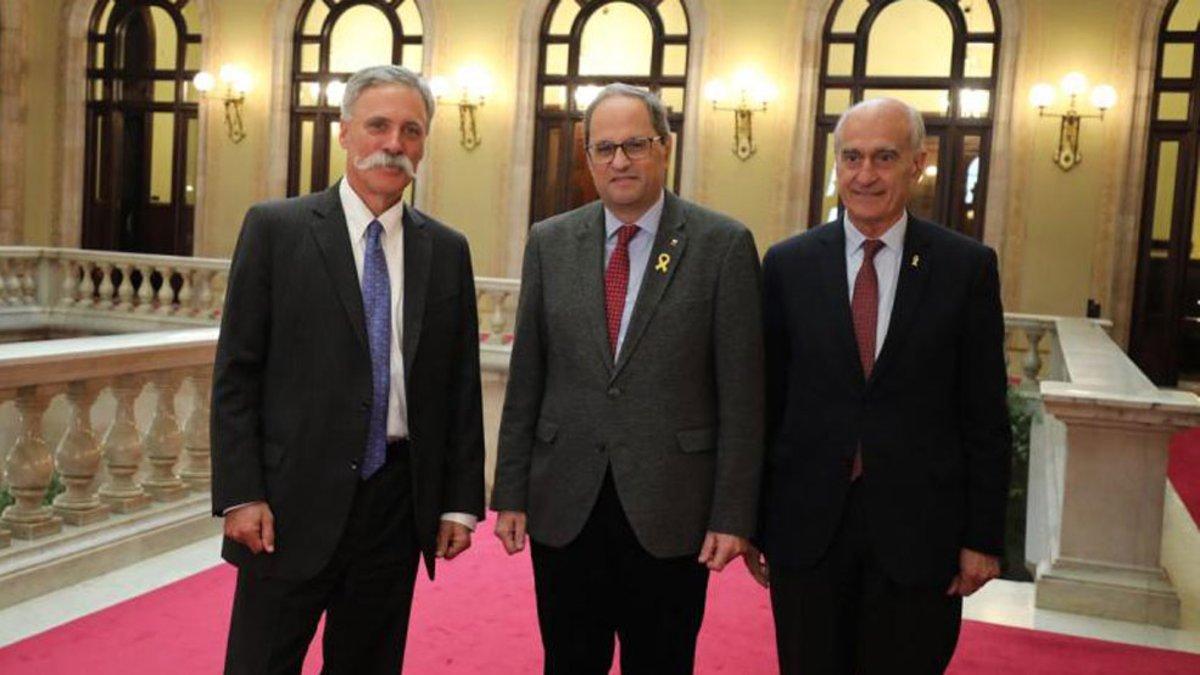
x: 663, y: 259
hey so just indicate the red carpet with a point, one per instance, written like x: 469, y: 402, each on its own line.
x: 479, y: 618
x: 1183, y: 468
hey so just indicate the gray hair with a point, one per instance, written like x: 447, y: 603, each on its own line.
x: 374, y: 76
x: 654, y: 106
x: 916, y: 123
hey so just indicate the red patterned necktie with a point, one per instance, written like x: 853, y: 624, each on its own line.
x: 864, y: 306
x: 616, y: 283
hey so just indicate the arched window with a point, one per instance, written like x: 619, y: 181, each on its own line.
x: 334, y: 38
x: 941, y: 57
x: 141, y: 128
x: 1165, y: 335
x: 585, y: 44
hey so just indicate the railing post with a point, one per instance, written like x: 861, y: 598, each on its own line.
x: 104, y: 292
x: 123, y: 450
x: 197, y: 469
x: 68, y: 286
x: 145, y: 293
x: 78, y: 459
x: 30, y: 469
x: 125, y: 290
x: 1032, y: 365
x: 163, y: 443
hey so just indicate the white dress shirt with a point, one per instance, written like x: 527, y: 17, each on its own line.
x: 887, y: 269
x: 639, y: 256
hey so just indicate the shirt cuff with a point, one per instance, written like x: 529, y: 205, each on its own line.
x: 465, y: 519
x: 235, y: 506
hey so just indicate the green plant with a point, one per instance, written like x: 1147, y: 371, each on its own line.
x: 1022, y: 411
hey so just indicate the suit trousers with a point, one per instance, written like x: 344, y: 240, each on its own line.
x: 604, y: 583
x: 844, y: 615
x: 365, y: 591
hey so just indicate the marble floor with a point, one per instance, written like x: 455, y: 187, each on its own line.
x: 1000, y: 602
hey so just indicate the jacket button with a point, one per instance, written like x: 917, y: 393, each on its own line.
x: 614, y: 392
x: 353, y: 465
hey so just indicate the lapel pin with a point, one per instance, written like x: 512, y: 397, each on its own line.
x: 916, y: 260
x: 663, y: 261
x: 673, y: 242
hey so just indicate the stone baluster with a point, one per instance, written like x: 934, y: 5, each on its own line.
x: 78, y: 459
x: 197, y: 467
x: 166, y: 294
x: 69, y: 287
x: 122, y: 449
x: 498, y: 321
x: 29, y: 282
x: 145, y: 292
x: 163, y: 442
x: 222, y: 285
x: 185, y: 293
x: 87, y: 288
x: 30, y: 469
x: 104, y: 292
x: 11, y: 292
x: 125, y: 290
x: 1032, y: 365
x: 205, y: 282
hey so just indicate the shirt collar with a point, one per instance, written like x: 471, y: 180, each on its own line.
x: 358, y: 216
x: 648, y: 221
x: 893, y: 238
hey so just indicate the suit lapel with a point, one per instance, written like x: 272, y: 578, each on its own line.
x: 914, y: 270
x: 417, y: 253
x: 837, y: 295
x: 589, y: 261
x: 333, y: 240
x: 665, y: 257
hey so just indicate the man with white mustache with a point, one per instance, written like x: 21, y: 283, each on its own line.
x: 347, y: 429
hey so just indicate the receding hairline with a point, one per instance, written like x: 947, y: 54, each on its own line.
x: 912, y: 117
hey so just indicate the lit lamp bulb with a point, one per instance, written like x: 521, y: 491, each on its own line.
x: 334, y: 92
x: 204, y: 81
x: 474, y: 82
x: 1074, y: 84
x: 1104, y: 97
x: 1042, y: 95
x: 585, y: 95
x: 716, y: 91
x: 440, y: 86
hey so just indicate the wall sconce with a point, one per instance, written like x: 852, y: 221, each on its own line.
x: 750, y: 93
x: 1074, y: 84
x: 237, y: 82
x: 474, y: 86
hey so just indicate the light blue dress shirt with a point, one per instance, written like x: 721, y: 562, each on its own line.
x: 887, y: 268
x: 639, y: 256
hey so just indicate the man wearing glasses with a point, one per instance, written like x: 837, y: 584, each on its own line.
x: 631, y: 438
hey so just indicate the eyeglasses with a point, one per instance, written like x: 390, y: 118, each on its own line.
x: 634, y: 148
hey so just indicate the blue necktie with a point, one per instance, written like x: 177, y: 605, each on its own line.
x: 377, y: 307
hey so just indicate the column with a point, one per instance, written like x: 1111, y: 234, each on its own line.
x: 122, y: 450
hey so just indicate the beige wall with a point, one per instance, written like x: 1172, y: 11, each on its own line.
x: 1060, y: 237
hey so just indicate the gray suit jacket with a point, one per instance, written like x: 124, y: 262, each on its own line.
x: 678, y: 416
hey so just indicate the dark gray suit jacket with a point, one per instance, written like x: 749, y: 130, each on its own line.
x: 292, y: 380
x: 678, y: 416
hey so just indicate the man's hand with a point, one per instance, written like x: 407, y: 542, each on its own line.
x: 719, y: 549
x: 756, y: 562
x: 253, y: 526
x: 453, y: 538
x: 510, y: 530
x: 974, y: 570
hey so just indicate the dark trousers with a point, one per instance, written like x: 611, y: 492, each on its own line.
x: 604, y: 584
x: 365, y: 592
x: 846, y: 616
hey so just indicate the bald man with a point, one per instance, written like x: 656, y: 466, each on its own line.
x: 887, y: 431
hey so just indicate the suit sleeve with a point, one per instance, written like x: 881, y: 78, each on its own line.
x: 526, y: 385
x: 235, y: 422
x: 462, y: 489
x: 986, y: 434
x: 775, y: 371
x: 738, y: 368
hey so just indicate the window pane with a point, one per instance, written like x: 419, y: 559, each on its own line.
x: 619, y: 23
x: 892, y: 51
x: 102, y: 24
x: 556, y: 59
x: 1164, y: 190
x: 922, y: 201
x: 316, y: 17
x: 192, y: 56
x: 673, y: 17
x: 564, y: 16
x: 932, y: 101
x: 554, y: 98
x: 829, y: 196
x: 309, y: 92
x: 971, y: 160
x: 672, y: 97
x: 1173, y: 106
x: 978, y: 15
x: 164, y: 91
x: 165, y: 39
x: 1186, y: 16
x: 97, y: 89
x: 99, y: 62
x: 841, y: 60
x: 410, y: 18
x: 583, y: 188
x: 973, y: 103
x: 361, y: 37
x: 306, y: 158
x: 189, y: 188
x: 310, y: 55
x: 550, y: 187
x: 674, y: 60
x: 161, y: 155
x: 836, y: 101
x: 978, y: 62
x: 410, y: 57
x: 848, y: 15
x: 1177, y: 60
x: 337, y: 155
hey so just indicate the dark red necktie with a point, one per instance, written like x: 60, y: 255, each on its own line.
x: 616, y: 283
x: 864, y: 306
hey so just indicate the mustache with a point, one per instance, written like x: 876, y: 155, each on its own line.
x: 382, y: 158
